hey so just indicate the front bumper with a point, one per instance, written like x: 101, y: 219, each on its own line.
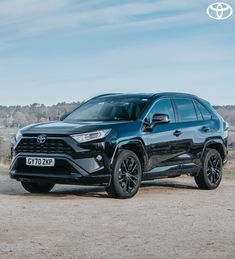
x: 67, y: 170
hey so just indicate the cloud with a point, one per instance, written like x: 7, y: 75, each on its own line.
x: 176, y: 60
x: 27, y: 18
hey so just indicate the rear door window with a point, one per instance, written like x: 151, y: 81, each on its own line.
x: 199, y: 114
x: 186, y: 109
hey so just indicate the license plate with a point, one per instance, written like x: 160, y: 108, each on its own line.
x: 40, y: 161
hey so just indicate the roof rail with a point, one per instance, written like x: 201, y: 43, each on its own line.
x: 175, y: 94
x: 102, y: 95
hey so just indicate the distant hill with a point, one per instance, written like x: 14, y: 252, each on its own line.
x: 227, y: 112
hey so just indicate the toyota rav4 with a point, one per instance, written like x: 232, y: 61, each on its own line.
x: 119, y: 140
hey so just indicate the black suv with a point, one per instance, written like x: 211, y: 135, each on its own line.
x: 119, y: 140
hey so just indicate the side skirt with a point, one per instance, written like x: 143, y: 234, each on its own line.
x: 171, y: 171
x: 162, y: 172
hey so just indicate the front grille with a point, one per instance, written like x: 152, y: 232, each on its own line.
x: 51, y: 146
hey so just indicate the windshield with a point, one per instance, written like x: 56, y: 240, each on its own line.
x: 109, y: 109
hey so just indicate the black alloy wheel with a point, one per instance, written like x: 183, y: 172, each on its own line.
x: 126, y: 177
x: 212, y: 170
x: 128, y: 174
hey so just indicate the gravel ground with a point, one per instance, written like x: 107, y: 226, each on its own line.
x: 167, y: 219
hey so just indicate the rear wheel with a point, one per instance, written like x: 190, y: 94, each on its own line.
x: 127, y: 175
x: 37, y: 187
x: 212, y: 169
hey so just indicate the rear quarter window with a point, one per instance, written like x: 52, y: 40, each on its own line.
x: 205, y: 113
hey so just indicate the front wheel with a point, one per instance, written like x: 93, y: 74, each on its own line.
x: 127, y: 175
x: 37, y: 187
x: 212, y: 169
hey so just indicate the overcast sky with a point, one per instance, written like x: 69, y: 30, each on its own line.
x: 70, y: 50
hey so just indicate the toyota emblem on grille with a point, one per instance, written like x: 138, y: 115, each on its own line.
x: 41, y: 139
x: 219, y: 11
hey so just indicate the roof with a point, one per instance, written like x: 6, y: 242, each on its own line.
x: 148, y: 95
x: 175, y: 94
x: 141, y: 95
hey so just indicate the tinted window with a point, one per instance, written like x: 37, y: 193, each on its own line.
x: 163, y: 106
x: 205, y: 113
x: 186, y: 110
x: 199, y: 114
x: 109, y: 109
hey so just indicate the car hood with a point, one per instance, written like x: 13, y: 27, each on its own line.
x: 69, y: 128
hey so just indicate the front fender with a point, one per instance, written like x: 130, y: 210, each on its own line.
x: 134, y: 144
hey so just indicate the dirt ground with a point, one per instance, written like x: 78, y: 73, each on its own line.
x: 167, y: 219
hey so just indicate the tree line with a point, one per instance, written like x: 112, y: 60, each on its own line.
x: 19, y: 116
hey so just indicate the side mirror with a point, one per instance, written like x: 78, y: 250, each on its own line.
x: 159, y: 118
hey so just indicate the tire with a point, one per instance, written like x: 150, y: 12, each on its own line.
x: 210, y: 176
x: 127, y: 176
x: 110, y: 191
x: 37, y: 187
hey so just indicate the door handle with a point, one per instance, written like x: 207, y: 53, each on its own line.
x: 205, y: 128
x: 177, y: 133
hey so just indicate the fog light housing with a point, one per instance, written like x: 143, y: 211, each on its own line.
x: 99, y: 158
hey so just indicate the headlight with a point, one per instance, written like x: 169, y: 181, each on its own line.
x: 88, y: 136
x: 18, y: 135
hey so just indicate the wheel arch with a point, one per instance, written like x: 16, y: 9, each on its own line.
x: 134, y: 145
x: 218, y: 145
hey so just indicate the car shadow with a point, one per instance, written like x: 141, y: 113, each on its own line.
x: 59, y: 192
x: 87, y: 191
x: 169, y: 184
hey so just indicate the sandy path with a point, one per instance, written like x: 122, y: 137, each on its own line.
x: 167, y: 219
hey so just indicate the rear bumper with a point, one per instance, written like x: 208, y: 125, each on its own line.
x: 67, y: 170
